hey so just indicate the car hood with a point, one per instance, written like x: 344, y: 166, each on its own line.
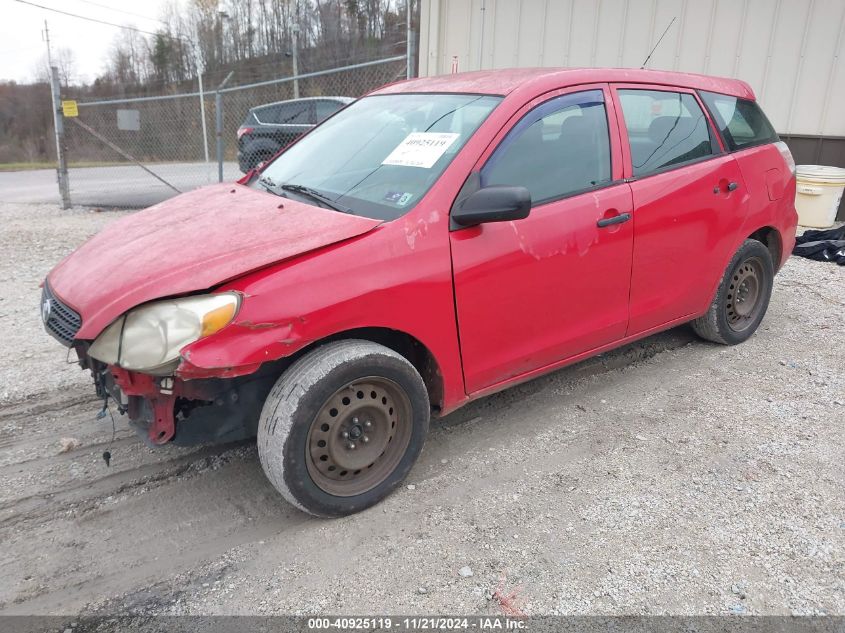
x: 191, y: 242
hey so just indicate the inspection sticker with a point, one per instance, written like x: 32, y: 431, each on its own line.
x: 421, y: 149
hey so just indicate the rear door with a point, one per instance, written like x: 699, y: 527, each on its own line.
x: 689, y: 201
x: 765, y: 161
x: 532, y: 292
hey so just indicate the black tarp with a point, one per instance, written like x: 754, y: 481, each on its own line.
x: 823, y: 246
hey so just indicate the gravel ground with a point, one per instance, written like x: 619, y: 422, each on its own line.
x: 669, y: 477
x: 35, y: 238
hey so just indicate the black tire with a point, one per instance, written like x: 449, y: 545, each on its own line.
x: 320, y: 383
x: 733, y: 316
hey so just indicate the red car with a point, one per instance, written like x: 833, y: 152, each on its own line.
x: 434, y: 242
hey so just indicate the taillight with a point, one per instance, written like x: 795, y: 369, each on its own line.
x: 244, y: 130
x: 783, y: 148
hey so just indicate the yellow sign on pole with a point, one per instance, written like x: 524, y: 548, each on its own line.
x: 69, y: 109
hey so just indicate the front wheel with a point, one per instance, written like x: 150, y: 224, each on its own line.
x: 742, y: 297
x: 342, y: 427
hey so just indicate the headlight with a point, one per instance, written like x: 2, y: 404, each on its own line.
x: 150, y: 338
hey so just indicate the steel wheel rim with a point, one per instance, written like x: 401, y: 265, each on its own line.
x: 359, y: 436
x: 744, y: 299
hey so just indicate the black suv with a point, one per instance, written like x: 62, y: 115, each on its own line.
x: 270, y: 127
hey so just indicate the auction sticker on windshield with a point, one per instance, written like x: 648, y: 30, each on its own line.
x: 421, y: 149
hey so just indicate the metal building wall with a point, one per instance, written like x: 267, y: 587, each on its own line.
x: 788, y: 50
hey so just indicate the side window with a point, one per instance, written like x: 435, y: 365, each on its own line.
x: 562, y: 146
x: 298, y: 113
x: 664, y: 129
x: 284, y: 114
x: 327, y: 108
x: 267, y: 114
x: 741, y: 121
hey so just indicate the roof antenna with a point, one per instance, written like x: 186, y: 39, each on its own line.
x: 658, y: 42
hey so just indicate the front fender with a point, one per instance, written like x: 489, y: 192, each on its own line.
x: 397, y: 278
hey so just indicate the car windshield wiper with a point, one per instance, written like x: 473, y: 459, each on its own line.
x: 308, y: 192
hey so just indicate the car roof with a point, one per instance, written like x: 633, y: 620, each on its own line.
x: 303, y: 99
x: 505, y: 81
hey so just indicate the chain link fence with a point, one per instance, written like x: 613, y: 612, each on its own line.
x: 144, y: 150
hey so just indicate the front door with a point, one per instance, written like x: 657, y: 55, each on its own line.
x: 533, y: 292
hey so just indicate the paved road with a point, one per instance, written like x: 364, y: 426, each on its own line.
x: 125, y: 186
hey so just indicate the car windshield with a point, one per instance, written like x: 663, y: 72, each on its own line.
x: 380, y: 155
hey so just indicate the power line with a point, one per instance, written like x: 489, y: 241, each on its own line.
x: 116, y: 10
x: 84, y: 17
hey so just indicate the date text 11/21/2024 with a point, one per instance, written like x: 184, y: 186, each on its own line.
x: 418, y: 623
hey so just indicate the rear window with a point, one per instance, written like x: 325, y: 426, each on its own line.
x: 741, y: 122
x: 266, y: 115
x: 285, y: 113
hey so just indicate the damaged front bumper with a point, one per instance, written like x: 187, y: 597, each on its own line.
x: 188, y: 405
x: 165, y: 409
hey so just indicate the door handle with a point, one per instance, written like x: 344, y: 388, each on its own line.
x: 616, y: 219
x: 731, y: 186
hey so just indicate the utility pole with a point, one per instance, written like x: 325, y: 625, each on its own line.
x: 58, y: 125
x: 221, y: 47
x: 218, y: 118
x: 200, y: 69
x: 409, y: 41
x: 481, y: 41
x: 47, y: 39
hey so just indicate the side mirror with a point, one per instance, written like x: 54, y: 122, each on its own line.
x: 496, y: 203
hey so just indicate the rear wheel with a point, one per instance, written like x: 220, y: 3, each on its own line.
x: 742, y: 297
x: 342, y: 427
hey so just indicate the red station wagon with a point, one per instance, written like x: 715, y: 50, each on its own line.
x: 434, y: 242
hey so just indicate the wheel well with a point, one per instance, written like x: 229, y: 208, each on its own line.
x: 400, y: 342
x: 770, y: 237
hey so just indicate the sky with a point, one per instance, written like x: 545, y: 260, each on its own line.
x: 22, y: 47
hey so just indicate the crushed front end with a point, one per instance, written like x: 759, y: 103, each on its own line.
x: 162, y: 406
x: 187, y: 412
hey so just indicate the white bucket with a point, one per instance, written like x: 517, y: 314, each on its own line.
x: 817, y: 194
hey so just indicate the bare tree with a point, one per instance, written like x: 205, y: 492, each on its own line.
x: 252, y: 37
x: 65, y: 60
x: 41, y: 71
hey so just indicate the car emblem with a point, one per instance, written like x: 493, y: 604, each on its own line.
x: 46, y: 310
